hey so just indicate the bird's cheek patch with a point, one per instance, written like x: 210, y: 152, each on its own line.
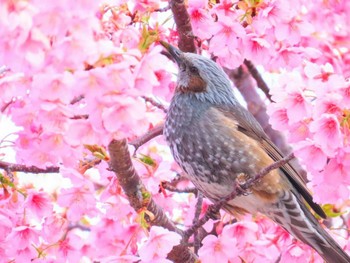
x: 196, y: 84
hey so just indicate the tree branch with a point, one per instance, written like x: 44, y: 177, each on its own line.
x: 155, y: 103
x: 12, y: 167
x: 140, y: 198
x: 169, y: 187
x: 149, y: 135
x: 183, y: 25
x: 6, y: 105
x: 77, y: 99
x: 259, y: 80
x: 164, y: 9
x: 238, y: 189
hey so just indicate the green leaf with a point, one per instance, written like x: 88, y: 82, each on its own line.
x: 98, y: 151
x: 147, y: 160
x: 331, y: 211
x: 148, y: 37
x: 146, y: 196
x: 5, y: 181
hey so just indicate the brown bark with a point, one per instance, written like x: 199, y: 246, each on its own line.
x: 183, y: 24
x: 140, y: 198
x: 12, y: 167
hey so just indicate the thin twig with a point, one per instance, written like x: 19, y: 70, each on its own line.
x: 149, y: 135
x: 78, y: 226
x: 80, y: 117
x: 169, y: 187
x: 77, y: 99
x: 164, y: 9
x: 6, y: 105
x: 27, y: 169
x: 258, y: 78
x: 155, y: 103
x: 238, y: 189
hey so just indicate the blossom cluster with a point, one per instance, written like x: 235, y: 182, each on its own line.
x: 72, y: 78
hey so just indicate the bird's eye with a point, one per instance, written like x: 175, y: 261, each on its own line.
x: 193, y: 70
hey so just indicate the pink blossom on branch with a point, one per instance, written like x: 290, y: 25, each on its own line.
x: 200, y: 18
x: 227, y: 38
x: 327, y: 133
x: 37, y: 204
x: 80, y: 82
x: 221, y: 248
x: 80, y: 201
x: 158, y: 245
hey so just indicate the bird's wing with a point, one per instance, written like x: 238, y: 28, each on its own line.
x: 250, y: 127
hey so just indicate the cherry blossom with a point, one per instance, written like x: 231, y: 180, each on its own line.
x: 220, y: 248
x: 159, y: 243
x: 73, y: 76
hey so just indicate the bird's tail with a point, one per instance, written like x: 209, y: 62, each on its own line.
x: 292, y: 214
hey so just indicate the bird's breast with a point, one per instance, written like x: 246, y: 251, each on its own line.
x: 211, y: 150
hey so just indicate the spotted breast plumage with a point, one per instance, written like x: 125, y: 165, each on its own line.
x: 215, y: 140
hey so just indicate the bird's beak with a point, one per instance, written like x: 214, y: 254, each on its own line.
x: 174, y: 52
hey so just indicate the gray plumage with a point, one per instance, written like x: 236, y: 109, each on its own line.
x: 215, y: 140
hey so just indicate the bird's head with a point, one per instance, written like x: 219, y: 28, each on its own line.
x: 200, y: 77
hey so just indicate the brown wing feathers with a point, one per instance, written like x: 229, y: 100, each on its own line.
x: 248, y: 127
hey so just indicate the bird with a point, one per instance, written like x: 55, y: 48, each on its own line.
x: 216, y: 142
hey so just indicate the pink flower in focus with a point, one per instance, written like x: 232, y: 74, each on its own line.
x: 289, y: 57
x: 228, y: 34
x: 158, y: 245
x: 296, y: 105
x: 275, y: 12
x: 200, y: 19
x: 69, y: 249
x: 219, y: 249
x: 23, y: 237
x: 299, y: 131
x: 244, y: 231
x: 327, y: 133
x: 328, y: 103
x: 311, y: 155
x: 257, y: 49
x: 330, y: 185
x: 38, y: 204
x: 292, y: 31
x: 164, y: 89
x: 126, y: 114
x: 145, y: 71
x: 278, y: 116
x: 315, y: 71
